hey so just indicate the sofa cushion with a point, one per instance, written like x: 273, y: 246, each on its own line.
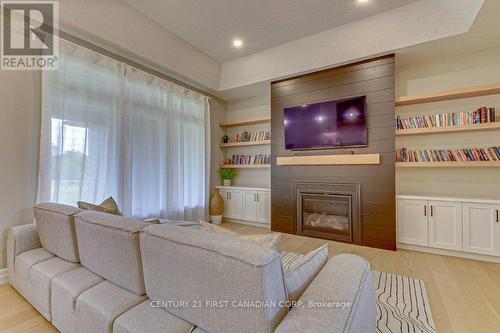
x: 347, y: 280
x: 303, y: 270
x: 40, y: 279
x: 198, y: 266
x: 65, y: 290
x: 109, y: 247
x: 107, y: 206
x: 23, y: 264
x: 144, y: 318
x: 289, y: 259
x: 21, y: 238
x: 269, y: 240
x: 56, y: 229
x: 98, y: 307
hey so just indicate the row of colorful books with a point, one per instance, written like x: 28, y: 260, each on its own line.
x: 251, y: 159
x: 254, y: 136
x: 481, y: 116
x: 449, y: 155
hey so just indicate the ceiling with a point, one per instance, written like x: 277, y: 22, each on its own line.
x: 211, y: 25
x: 484, y: 34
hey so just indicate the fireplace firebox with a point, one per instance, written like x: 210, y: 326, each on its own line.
x: 328, y: 210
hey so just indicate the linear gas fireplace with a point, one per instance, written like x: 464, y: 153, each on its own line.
x: 328, y: 210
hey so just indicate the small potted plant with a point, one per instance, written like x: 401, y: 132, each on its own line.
x: 227, y: 175
x: 225, y: 139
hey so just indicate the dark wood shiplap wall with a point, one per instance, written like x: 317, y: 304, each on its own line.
x: 375, y: 79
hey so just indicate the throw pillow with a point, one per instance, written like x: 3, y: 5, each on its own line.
x: 302, y: 271
x: 266, y: 240
x: 107, y: 206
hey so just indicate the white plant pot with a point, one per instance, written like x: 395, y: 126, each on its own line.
x: 216, y: 219
x: 226, y: 182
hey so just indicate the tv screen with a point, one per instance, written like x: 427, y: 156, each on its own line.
x: 331, y: 124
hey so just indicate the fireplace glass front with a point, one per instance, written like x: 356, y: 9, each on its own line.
x: 327, y: 213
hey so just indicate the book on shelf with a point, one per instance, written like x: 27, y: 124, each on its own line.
x: 251, y: 159
x: 245, y: 136
x: 448, y: 155
x: 481, y: 116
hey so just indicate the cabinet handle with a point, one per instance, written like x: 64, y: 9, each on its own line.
x: 254, y: 199
x: 425, y: 210
x: 432, y: 211
x: 497, y: 216
x: 230, y: 195
x: 258, y: 199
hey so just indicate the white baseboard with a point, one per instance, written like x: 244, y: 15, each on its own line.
x: 4, y: 278
x: 451, y: 253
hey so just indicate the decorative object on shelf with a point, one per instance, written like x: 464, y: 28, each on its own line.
x: 227, y: 175
x: 246, y: 166
x: 216, y: 208
x: 245, y: 136
x: 482, y: 115
x: 251, y: 159
x: 449, y: 155
x: 227, y: 161
x: 225, y: 138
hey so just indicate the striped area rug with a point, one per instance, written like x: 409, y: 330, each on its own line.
x: 402, y: 305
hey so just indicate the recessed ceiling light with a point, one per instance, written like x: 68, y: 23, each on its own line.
x: 237, y: 43
x: 363, y: 1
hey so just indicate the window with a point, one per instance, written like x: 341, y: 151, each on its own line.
x: 111, y: 130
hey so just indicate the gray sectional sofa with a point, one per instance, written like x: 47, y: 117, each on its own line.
x: 91, y: 272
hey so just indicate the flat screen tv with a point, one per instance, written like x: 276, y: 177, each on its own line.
x: 331, y: 124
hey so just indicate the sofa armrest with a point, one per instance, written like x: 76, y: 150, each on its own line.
x: 340, y: 299
x: 20, y: 239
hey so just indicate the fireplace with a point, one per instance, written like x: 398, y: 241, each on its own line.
x: 328, y: 210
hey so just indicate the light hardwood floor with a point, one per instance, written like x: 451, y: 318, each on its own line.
x: 464, y: 294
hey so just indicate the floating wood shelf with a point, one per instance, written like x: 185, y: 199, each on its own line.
x: 243, y: 122
x: 478, y: 164
x: 490, y: 89
x: 245, y: 166
x: 352, y: 159
x: 449, y: 129
x: 244, y: 144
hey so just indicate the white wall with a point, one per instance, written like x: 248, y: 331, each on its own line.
x: 19, y: 128
x: 459, y: 71
x: 250, y: 108
x: 217, y: 114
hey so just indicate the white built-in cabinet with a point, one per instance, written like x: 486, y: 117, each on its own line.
x: 232, y: 203
x: 481, y: 225
x: 247, y: 204
x: 459, y: 225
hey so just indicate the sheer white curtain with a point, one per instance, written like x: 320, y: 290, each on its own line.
x: 110, y: 129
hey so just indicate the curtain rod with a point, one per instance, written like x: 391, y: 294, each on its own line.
x: 99, y: 49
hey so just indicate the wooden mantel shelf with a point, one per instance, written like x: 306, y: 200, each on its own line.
x: 352, y: 159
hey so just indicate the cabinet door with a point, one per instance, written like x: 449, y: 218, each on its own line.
x: 225, y: 197
x: 445, y: 225
x: 413, y: 222
x: 250, y: 206
x: 264, y: 207
x: 235, y: 204
x: 481, y: 228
